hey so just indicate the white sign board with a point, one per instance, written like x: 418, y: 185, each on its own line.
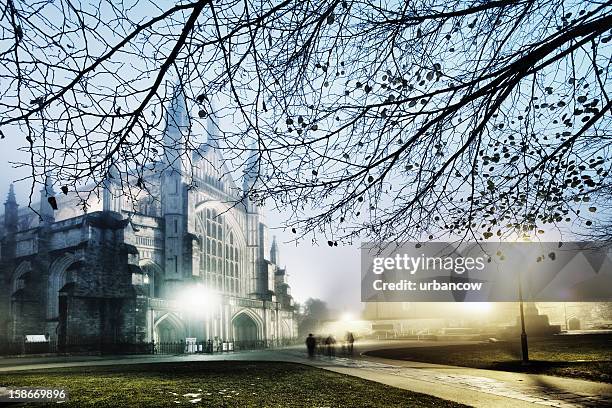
x: 36, y: 338
x: 191, y: 344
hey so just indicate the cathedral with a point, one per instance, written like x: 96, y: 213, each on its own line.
x: 190, y: 258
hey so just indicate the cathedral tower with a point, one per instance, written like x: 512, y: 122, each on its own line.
x: 175, y: 179
x: 257, y: 231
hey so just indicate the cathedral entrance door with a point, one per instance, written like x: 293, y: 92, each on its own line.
x: 245, y: 332
x: 168, y: 330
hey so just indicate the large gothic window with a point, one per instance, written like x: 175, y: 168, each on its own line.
x: 220, y: 254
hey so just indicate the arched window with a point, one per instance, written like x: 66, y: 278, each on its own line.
x: 219, y: 260
x: 19, y: 282
x: 61, y: 273
x: 231, y: 264
x: 19, y: 276
x: 153, y: 277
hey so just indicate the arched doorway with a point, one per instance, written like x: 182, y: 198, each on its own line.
x: 21, y: 276
x: 169, y: 329
x: 245, y: 328
x: 62, y: 271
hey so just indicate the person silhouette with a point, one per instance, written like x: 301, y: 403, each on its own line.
x: 311, y: 344
x: 350, y: 339
x: 330, y: 343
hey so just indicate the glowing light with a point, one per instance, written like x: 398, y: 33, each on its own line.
x: 347, y: 317
x: 477, y: 307
x: 198, y: 300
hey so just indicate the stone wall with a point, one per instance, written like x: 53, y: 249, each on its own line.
x: 97, y: 302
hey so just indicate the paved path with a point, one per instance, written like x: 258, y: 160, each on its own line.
x: 474, y: 387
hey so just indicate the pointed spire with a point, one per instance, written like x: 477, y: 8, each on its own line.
x: 212, y: 134
x: 177, y: 128
x: 11, y: 214
x: 274, y: 255
x: 10, y: 197
x: 177, y: 116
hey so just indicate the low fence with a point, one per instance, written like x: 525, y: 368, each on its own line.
x: 87, y: 345
x: 73, y: 345
x: 216, y: 346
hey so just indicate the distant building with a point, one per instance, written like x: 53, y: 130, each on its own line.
x: 121, y: 274
x: 398, y: 318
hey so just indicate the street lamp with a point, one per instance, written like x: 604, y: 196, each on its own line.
x: 524, y: 348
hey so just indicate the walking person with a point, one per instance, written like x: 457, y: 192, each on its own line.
x: 330, y: 344
x: 311, y: 344
x: 350, y: 339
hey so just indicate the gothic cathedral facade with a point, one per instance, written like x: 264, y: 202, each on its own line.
x: 191, y: 258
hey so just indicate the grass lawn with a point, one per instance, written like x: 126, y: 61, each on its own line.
x: 580, y: 356
x: 217, y: 384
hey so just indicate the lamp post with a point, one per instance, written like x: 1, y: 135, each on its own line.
x: 524, y: 348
